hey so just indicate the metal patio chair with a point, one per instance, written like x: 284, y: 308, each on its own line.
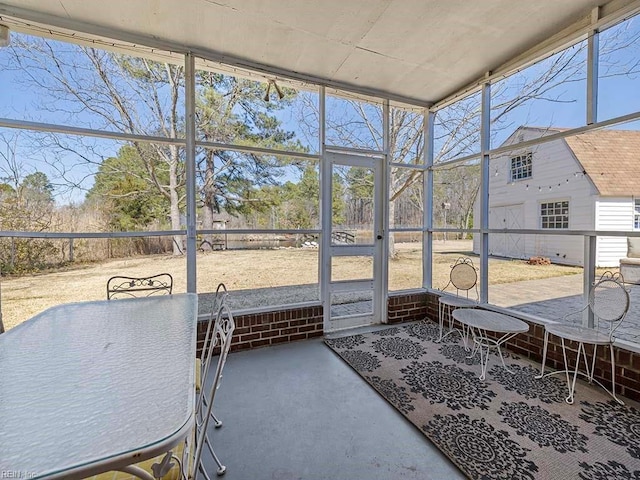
x: 124, y: 287
x: 464, y: 278
x: 609, y: 303
x: 220, y: 342
x: 202, y: 364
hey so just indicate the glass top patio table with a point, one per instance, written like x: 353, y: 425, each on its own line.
x: 94, y: 386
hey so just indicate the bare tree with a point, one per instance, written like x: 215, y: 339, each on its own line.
x: 26, y: 203
x: 234, y: 110
x: 12, y: 167
x: 111, y: 92
x: 457, y: 127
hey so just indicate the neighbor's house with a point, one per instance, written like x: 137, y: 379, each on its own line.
x: 584, y: 182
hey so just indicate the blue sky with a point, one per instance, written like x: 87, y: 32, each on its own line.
x: 618, y: 95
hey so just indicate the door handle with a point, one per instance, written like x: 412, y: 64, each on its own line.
x: 379, y: 237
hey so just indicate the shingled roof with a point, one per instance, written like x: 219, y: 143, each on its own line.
x: 611, y: 159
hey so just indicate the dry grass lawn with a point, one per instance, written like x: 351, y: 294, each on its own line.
x: 24, y: 296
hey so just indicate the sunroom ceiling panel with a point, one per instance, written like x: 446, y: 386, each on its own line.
x: 366, y: 64
x: 345, y: 22
x: 410, y: 49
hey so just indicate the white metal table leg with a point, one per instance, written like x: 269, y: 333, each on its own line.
x: 544, y: 355
x: 483, y: 362
x: 476, y: 346
x: 500, y: 342
x: 482, y: 340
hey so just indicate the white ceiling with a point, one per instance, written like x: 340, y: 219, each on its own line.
x: 406, y: 49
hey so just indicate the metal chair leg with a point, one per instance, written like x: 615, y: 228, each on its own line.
x: 572, y: 385
x: 440, y: 321
x: 221, y: 468
x: 216, y: 423
x: 544, y: 355
x: 466, y: 333
x: 590, y: 372
x: 613, y: 376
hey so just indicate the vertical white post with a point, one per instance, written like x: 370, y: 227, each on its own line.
x: 427, y: 220
x: 1, y: 322
x: 381, y: 286
x: 593, y: 54
x: 190, y: 118
x: 321, y: 248
x: 590, y: 242
x: 589, y: 276
x: 485, y: 146
x: 325, y: 215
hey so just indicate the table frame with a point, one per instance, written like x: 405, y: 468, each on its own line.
x: 481, y: 338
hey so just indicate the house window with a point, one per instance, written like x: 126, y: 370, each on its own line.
x: 554, y: 215
x: 521, y: 167
x: 636, y: 214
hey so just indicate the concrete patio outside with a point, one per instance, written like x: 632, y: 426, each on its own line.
x: 546, y: 299
x: 555, y: 297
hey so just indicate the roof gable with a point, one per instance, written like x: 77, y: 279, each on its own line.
x: 611, y: 159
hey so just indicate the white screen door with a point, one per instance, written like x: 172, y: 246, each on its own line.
x: 352, y: 261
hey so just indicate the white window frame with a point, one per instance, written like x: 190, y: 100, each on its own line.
x: 553, y: 215
x: 521, y: 167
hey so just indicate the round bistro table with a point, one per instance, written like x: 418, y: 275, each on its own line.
x: 481, y: 322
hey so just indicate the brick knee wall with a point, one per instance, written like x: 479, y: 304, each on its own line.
x: 411, y: 307
x: 288, y: 325
x: 270, y: 328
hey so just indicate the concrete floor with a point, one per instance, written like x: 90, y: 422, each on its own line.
x: 297, y: 411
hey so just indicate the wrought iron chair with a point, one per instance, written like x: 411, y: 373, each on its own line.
x: 220, y: 342
x: 119, y: 286
x: 464, y: 278
x: 609, y: 303
x: 202, y: 361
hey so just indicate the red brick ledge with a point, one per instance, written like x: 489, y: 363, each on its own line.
x: 301, y: 323
x: 270, y: 328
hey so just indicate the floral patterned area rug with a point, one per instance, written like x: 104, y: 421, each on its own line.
x: 510, y: 426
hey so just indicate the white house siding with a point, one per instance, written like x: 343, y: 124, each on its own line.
x: 554, y: 166
x: 612, y: 214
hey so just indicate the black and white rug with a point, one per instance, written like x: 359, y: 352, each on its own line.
x: 510, y: 426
